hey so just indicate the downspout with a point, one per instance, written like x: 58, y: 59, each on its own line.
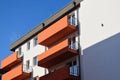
x: 79, y: 46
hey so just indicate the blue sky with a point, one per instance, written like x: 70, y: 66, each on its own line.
x: 18, y: 17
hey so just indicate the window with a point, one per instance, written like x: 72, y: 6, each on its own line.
x: 72, y: 43
x: 28, y: 45
x: 35, y: 41
x: 35, y: 62
x: 27, y: 65
x: 72, y: 19
x: 19, y: 51
x: 73, y: 68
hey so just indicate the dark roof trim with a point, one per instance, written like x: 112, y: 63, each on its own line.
x: 69, y: 8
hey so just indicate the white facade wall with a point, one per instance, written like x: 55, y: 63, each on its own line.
x: 93, y: 13
x: 100, y: 44
x: 30, y: 54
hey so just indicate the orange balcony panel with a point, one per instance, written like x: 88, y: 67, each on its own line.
x: 56, y: 54
x: 55, y: 32
x: 15, y: 74
x: 10, y: 61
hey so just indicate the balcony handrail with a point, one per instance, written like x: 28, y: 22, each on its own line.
x: 27, y: 68
x: 75, y: 73
x: 74, y: 46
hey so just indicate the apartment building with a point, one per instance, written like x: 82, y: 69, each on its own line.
x: 80, y: 42
x: 48, y: 52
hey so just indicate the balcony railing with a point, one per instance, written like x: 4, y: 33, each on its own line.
x: 74, y: 70
x: 74, y: 46
x: 57, y: 54
x: 72, y: 21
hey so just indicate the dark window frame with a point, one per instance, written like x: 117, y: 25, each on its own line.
x: 28, y: 45
x: 35, y: 41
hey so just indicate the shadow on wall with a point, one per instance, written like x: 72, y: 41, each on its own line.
x: 102, y: 60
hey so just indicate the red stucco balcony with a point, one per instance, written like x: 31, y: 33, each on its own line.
x: 56, y: 54
x: 60, y: 74
x: 16, y: 74
x: 55, y: 32
x: 10, y: 61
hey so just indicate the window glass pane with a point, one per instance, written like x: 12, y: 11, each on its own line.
x: 75, y: 70
x: 27, y: 64
x: 19, y: 51
x: 35, y: 41
x: 71, y: 70
x: 28, y: 45
x: 73, y: 19
x: 34, y: 61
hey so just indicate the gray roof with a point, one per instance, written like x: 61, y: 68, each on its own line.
x: 69, y: 8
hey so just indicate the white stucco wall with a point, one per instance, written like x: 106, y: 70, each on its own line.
x: 93, y: 13
x: 100, y: 45
x: 30, y: 54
